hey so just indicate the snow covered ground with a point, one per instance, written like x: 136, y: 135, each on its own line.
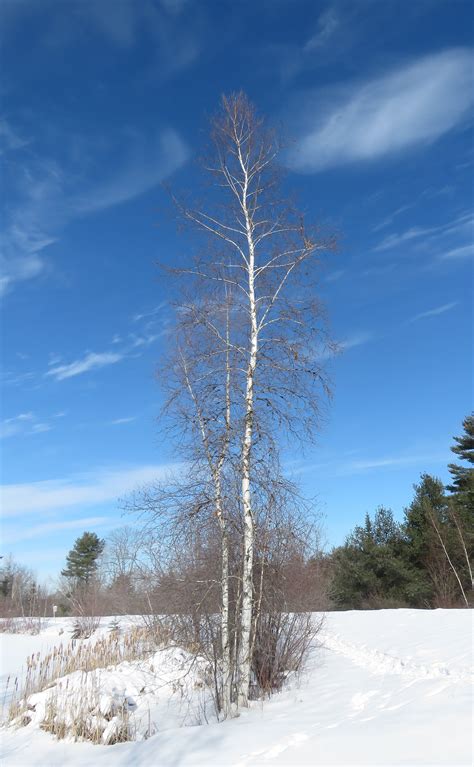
x: 389, y: 687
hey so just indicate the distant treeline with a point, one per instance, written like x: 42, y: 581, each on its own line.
x: 425, y: 561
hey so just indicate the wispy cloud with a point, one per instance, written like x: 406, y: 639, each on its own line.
x: 119, y: 421
x: 394, y: 240
x: 465, y: 251
x: 120, y: 24
x: 350, y: 467
x: 336, y: 275
x: 37, y: 531
x: 91, y: 361
x: 411, y: 106
x: 391, y: 462
x: 457, y: 229
x: 85, y: 490
x: 434, y: 312
x: 336, y: 30
x: 328, y: 24
x: 352, y: 341
x: 358, y: 339
x: 9, y: 139
x: 152, y: 313
x: 149, y: 163
x: 122, y: 349
x: 23, y: 424
x: 44, y: 196
x: 391, y: 218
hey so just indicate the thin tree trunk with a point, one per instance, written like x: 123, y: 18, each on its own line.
x: 440, y: 537
x: 216, y: 473
x: 225, y: 635
x: 463, y: 544
x: 244, y: 661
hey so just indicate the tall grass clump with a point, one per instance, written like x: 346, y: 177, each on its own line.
x: 44, y: 672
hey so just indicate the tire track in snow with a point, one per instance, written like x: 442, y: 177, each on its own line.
x: 379, y: 662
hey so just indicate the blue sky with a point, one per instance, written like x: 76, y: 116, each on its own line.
x: 103, y: 101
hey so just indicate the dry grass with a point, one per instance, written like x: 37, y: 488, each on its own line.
x: 80, y: 714
x: 83, y: 718
x: 27, y: 625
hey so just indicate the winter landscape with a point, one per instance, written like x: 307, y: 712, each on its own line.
x: 237, y: 429
x: 390, y: 687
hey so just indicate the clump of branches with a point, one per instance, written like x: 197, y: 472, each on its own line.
x: 184, y: 583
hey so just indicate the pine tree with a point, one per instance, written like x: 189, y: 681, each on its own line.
x: 82, y: 560
x: 369, y: 570
x: 436, y: 546
x: 463, y: 476
x: 462, y: 500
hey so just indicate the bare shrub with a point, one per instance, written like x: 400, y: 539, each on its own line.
x: 84, y: 626
x: 280, y: 647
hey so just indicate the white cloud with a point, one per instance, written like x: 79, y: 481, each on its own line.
x: 119, y: 421
x: 91, y: 361
x: 100, y: 487
x: 152, y: 313
x: 434, y: 312
x: 95, y: 360
x: 461, y: 225
x: 358, y: 339
x: 37, y: 531
x: 389, y: 219
x: 45, y: 198
x: 149, y: 163
x: 413, y: 105
x: 465, y: 251
x: 352, y: 341
x: 23, y: 424
x: 394, y: 240
x: 361, y: 466
x: 356, y: 467
x: 9, y: 139
x: 328, y: 23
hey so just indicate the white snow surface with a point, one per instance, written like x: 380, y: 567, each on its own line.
x: 387, y: 687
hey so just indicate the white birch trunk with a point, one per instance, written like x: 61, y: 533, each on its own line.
x: 440, y: 537
x: 244, y: 660
x: 225, y: 634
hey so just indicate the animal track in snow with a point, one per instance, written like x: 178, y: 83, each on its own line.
x: 382, y: 663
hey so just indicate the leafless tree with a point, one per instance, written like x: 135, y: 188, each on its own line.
x: 437, y: 527
x: 247, y: 368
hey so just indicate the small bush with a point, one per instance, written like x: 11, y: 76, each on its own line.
x: 84, y: 627
x: 281, y: 645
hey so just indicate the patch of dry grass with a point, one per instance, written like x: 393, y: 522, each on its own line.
x: 43, y: 673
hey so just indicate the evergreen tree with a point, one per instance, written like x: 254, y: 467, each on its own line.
x: 463, y: 476
x: 369, y: 570
x: 462, y: 502
x: 434, y: 549
x: 82, y: 560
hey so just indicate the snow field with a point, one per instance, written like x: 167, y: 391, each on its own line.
x: 388, y: 687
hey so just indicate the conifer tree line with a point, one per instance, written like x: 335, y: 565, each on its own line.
x: 424, y: 561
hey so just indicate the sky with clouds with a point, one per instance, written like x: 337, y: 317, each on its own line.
x: 101, y: 101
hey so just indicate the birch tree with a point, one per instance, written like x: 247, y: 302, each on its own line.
x: 247, y: 366
x: 268, y: 259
